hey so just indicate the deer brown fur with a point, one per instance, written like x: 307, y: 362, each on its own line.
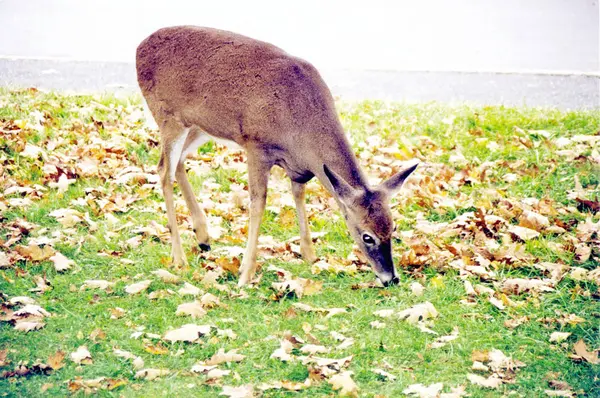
x: 201, y: 83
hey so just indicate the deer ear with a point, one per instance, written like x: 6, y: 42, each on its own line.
x: 343, y: 190
x: 393, y: 184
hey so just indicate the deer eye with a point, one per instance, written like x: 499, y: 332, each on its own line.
x: 368, y: 239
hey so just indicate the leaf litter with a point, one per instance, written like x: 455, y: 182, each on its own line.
x: 483, y: 235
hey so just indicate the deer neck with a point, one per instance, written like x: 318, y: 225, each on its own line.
x: 337, y: 154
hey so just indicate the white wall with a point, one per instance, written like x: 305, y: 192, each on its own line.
x: 491, y: 35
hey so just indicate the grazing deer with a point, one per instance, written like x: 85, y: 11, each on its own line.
x: 203, y: 83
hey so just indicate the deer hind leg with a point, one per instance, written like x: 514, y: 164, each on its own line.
x: 306, y: 246
x: 170, y: 154
x: 258, y: 177
x: 193, y: 141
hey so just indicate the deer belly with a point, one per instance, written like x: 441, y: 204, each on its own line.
x: 295, y: 172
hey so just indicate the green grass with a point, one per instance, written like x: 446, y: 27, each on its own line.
x: 432, y: 132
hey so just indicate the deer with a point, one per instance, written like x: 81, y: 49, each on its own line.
x: 202, y: 83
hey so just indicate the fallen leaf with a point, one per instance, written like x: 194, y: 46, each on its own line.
x: 417, y: 289
x: 582, y: 253
x: 560, y: 393
x: 151, y: 374
x: 246, y: 391
x: 520, y: 285
x: 82, y: 356
x: 189, y: 289
x: 36, y: 253
x: 443, y: 340
x: 221, y: 356
x: 209, y: 300
x: 28, y: 326
x: 61, y: 263
x: 490, y: 382
x: 377, y: 325
x: 97, y: 284
x: 344, y: 384
x: 123, y: 354
x: 137, y: 287
x: 313, y: 349
x: 188, y: 333
x: 422, y: 391
x: 557, y: 337
x: 384, y: 374
x: 166, y: 276
x: 55, y: 361
x: 581, y: 352
x: 283, y: 352
x: 522, y: 233
x: 193, y: 309
x: 418, y: 312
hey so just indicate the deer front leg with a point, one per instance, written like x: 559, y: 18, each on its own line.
x: 306, y: 246
x: 258, y: 177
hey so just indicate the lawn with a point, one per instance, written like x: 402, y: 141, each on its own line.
x: 497, y: 246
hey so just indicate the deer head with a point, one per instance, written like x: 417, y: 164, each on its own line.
x: 369, y: 219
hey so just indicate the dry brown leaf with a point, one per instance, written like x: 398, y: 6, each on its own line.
x: 193, y: 309
x: 557, y: 337
x: 490, y: 382
x: 560, y: 393
x: 522, y: 233
x: 151, y: 374
x: 443, y: 340
x: 384, y: 374
x: 582, y: 253
x: 377, y: 325
x: 231, y: 265
x: 190, y: 289
x: 283, y: 352
x: 166, y: 276
x: 344, y: 384
x: 55, y: 361
x: 156, y: 349
x: 515, y: 322
x: 36, y: 253
x: 298, y: 286
x: 520, y: 285
x: 138, y: 363
x: 313, y: 349
x: 209, y: 300
x: 97, y: 284
x: 123, y: 354
x: 418, y: 312
x: 581, y: 352
x: 138, y: 287
x: 533, y: 220
x: 422, y: 391
x: 3, y: 360
x: 221, y: 356
x: 416, y: 288
x: 61, y: 263
x: 28, y: 326
x: 82, y: 356
x: 117, y: 313
x: 189, y: 333
x: 246, y: 391
x: 384, y: 313
x: 32, y: 310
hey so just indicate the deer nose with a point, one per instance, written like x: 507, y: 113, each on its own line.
x: 204, y: 247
